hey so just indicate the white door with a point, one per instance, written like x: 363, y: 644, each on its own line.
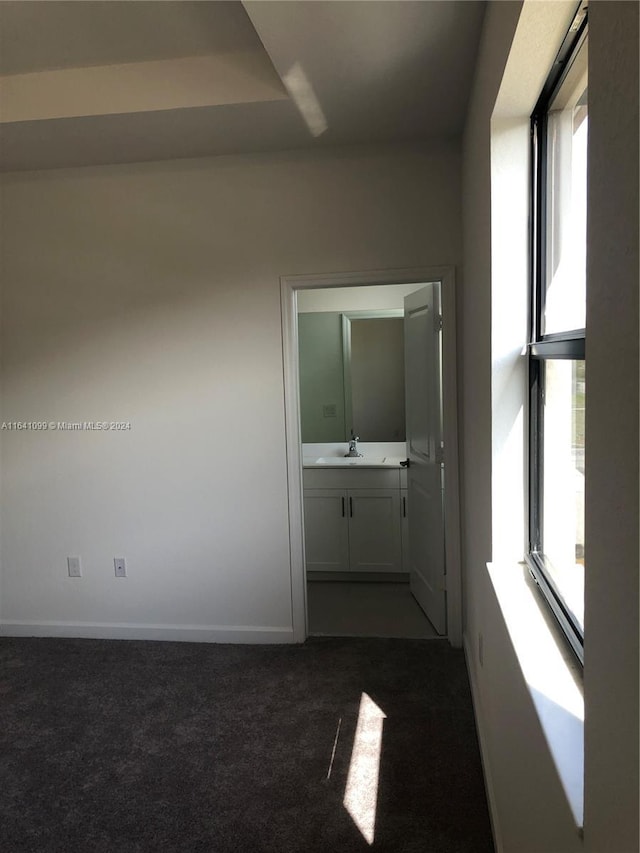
x: 423, y: 387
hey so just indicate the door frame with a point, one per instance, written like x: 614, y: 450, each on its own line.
x: 289, y: 287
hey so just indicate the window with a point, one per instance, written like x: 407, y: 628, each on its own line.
x: 556, y: 349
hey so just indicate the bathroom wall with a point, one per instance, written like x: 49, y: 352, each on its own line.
x: 321, y: 369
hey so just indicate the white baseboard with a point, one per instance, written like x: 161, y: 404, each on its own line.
x: 484, y: 752
x: 128, y: 631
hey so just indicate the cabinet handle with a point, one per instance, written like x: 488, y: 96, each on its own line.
x: 351, y: 507
x: 343, y: 507
x: 404, y: 507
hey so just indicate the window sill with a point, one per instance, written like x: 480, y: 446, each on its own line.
x: 552, y: 675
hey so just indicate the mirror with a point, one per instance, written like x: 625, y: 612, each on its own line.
x: 351, y: 375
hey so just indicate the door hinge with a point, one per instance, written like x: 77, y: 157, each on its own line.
x: 440, y: 454
x: 437, y: 322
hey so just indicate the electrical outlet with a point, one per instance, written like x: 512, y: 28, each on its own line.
x: 74, y: 567
x: 481, y: 649
x: 120, y: 566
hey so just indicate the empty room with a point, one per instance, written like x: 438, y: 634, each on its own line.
x: 319, y: 426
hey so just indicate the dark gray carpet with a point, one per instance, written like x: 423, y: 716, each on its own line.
x: 115, y: 747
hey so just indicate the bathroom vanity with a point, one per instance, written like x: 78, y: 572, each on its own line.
x: 355, y: 514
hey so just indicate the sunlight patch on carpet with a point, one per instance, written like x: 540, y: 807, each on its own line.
x: 361, y: 793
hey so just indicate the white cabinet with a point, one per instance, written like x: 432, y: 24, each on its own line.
x: 326, y: 530
x: 374, y: 530
x: 357, y: 526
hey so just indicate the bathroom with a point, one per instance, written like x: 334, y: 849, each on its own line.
x: 351, y: 357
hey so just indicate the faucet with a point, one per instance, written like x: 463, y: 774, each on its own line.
x: 353, y: 445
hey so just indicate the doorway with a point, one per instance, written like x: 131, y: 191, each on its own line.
x: 346, y: 504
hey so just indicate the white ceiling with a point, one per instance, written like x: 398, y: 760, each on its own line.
x: 104, y: 82
x: 38, y: 36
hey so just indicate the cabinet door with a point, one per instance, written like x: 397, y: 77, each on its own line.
x: 404, y: 515
x: 326, y: 530
x: 374, y: 530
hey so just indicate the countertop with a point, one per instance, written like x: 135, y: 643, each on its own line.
x: 364, y: 461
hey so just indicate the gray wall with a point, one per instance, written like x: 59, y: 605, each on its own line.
x: 321, y: 365
x: 611, y: 618
x: 151, y: 293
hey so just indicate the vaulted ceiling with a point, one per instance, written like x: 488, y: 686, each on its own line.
x: 105, y: 82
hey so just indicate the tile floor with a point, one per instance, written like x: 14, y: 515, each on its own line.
x: 361, y: 609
